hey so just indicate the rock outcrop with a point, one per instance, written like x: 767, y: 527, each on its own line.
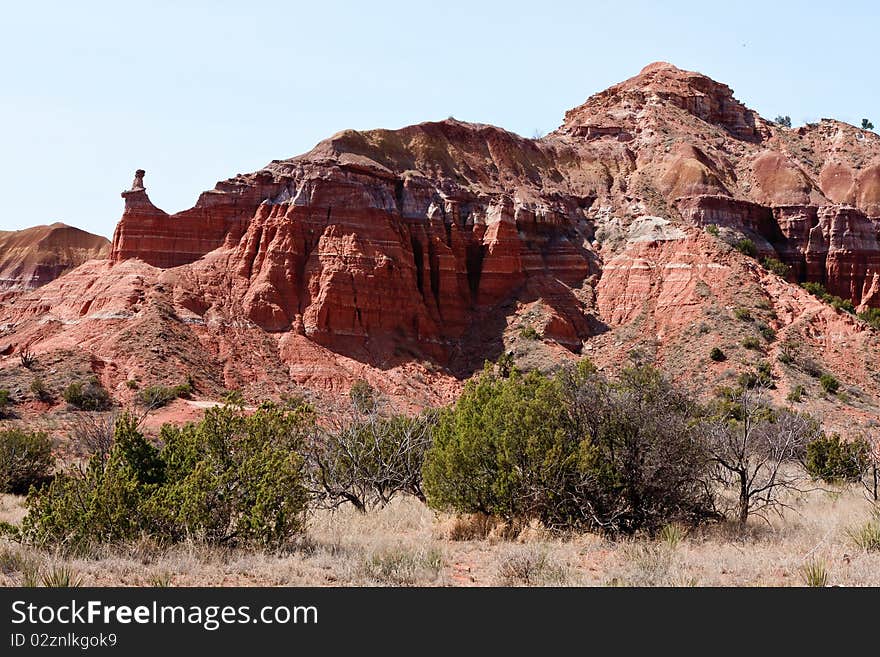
x: 439, y: 244
x: 35, y: 256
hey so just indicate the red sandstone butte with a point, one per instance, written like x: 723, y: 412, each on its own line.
x: 33, y: 257
x: 409, y: 256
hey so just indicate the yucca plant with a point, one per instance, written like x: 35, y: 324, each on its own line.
x: 672, y: 534
x: 867, y: 536
x: 814, y: 574
x: 61, y: 577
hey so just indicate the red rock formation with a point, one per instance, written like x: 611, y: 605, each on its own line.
x: 385, y: 248
x: 33, y: 257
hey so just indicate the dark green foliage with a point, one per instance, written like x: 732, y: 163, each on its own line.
x: 867, y: 125
x: 818, y: 290
x: 717, y: 355
x: 871, y: 316
x: 231, y: 479
x: 764, y: 371
x: 751, y: 342
x: 25, y: 460
x: 742, y: 314
x: 88, y: 396
x: 159, y: 396
x: 362, y: 396
x: 767, y: 332
x: 574, y: 451
x: 834, y: 460
x: 784, y: 121
x: 5, y: 402
x: 712, y: 229
x: 829, y: 383
x: 776, y: 266
x: 40, y: 391
x: 529, y: 333
x: 747, y: 247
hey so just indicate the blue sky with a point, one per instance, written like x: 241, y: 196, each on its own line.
x: 195, y: 92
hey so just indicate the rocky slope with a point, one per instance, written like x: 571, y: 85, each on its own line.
x: 407, y: 257
x: 33, y: 257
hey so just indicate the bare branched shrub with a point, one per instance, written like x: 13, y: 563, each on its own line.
x: 758, y: 451
x: 92, y: 433
x: 369, y: 456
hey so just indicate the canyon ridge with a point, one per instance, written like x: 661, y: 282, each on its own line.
x: 649, y: 227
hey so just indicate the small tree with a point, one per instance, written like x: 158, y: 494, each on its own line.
x: 784, y: 121
x: 757, y: 450
x: 867, y: 125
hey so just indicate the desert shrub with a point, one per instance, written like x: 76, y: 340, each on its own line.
x: 784, y: 121
x: 363, y: 396
x: 834, y: 460
x: 401, y: 566
x: 87, y: 396
x: 5, y: 402
x: 368, y: 459
x: 717, y: 355
x: 131, y: 384
x: 230, y: 479
x: 742, y: 314
x: 39, y: 390
x: 573, y: 451
x: 829, y: 383
x: 712, y: 229
x: 871, y: 316
x: 25, y: 460
x: 529, y: 333
x: 747, y: 380
x: 751, y: 342
x: 776, y: 266
x: 767, y: 332
x: 867, y: 125
x: 818, y: 290
x: 159, y: 396
x: 765, y: 372
x: 796, y: 394
x: 747, y: 247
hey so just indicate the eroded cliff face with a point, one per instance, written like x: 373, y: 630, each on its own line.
x: 439, y: 244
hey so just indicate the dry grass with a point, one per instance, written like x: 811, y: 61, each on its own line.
x: 407, y: 545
